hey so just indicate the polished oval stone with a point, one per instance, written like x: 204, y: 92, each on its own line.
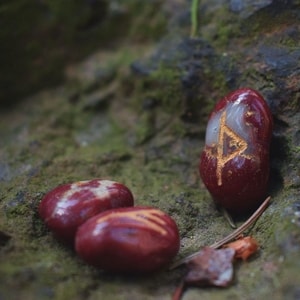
x: 128, y: 240
x: 67, y: 206
x: 234, y: 164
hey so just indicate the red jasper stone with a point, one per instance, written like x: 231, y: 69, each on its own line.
x: 67, y: 206
x: 234, y: 164
x: 128, y: 240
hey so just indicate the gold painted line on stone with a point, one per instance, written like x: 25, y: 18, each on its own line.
x: 235, y: 141
x: 146, y: 217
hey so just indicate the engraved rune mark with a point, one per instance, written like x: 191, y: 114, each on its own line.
x: 150, y: 218
x: 229, y: 146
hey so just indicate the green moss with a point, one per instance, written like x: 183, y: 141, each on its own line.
x: 169, y: 87
x: 223, y: 29
x: 146, y: 128
x: 149, y: 20
x: 159, y: 100
x: 55, y: 138
x: 226, y: 33
x: 163, y: 86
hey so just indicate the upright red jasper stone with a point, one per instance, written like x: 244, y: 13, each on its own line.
x: 234, y: 164
x: 67, y: 206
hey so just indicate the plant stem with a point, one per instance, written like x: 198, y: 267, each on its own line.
x: 194, y: 18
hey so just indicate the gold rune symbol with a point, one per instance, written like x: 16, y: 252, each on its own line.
x: 150, y: 218
x: 229, y: 146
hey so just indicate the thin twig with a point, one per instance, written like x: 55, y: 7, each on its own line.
x: 244, y: 226
x: 231, y: 236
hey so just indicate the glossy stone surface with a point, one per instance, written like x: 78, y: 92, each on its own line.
x: 67, y: 206
x: 234, y: 164
x: 128, y: 240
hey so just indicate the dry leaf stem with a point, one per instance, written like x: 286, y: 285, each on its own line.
x: 231, y: 236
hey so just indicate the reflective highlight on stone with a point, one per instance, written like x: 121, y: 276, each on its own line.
x: 128, y: 240
x: 68, y: 206
x: 234, y: 164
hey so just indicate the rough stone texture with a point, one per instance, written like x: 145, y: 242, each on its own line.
x: 136, y: 114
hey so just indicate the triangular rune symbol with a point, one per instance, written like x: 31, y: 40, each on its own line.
x: 229, y: 146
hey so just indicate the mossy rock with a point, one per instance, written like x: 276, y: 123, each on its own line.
x: 140, y: 119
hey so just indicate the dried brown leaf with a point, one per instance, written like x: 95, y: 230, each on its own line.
x: 211, y: 267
